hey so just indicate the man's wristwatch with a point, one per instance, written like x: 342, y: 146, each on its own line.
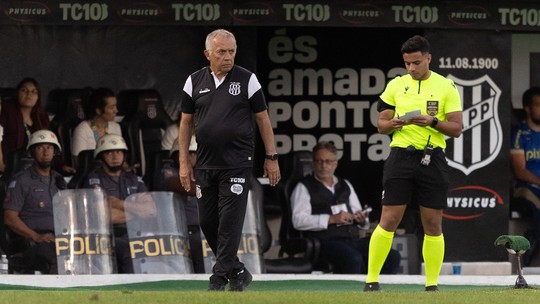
x: 434, y: 122
x: 272, y: 156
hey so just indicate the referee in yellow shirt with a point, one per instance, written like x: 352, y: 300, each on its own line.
x: 419, y: 110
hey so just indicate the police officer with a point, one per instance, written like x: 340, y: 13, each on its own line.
x: 117, y: 184
x: 28, y: 205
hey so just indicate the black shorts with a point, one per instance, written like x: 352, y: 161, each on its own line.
x: 406, y: 180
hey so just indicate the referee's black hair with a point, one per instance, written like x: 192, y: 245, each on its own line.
x: 529, y: 94
x: 415, y: 44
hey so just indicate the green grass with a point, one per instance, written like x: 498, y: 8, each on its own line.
x: 297, y: 292
x: 492, y: 296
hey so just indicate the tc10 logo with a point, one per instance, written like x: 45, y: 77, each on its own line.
x: 84, y: 12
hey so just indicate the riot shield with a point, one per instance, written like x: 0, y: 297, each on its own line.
x: 249, y: 250
x: 157, y: 231
x: 82, y: 224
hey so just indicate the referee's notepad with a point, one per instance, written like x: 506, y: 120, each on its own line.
x: 410, y: 115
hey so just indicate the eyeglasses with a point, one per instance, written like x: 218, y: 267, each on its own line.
x: 324, y: 161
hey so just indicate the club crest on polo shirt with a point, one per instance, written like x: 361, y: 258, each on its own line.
x: 234, y: 88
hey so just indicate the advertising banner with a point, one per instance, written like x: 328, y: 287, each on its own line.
x: 499, y: 15
x: 478, y: 199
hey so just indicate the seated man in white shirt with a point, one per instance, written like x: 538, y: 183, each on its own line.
x: 327, y: 208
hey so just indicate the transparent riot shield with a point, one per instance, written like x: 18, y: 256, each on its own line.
x: 83, y: 234
x: 157, y: 231
x: 249, y: 250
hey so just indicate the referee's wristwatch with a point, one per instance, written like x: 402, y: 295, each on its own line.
x: 434, y: 122
x: 272, y: 156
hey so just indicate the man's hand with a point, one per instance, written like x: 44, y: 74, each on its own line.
x: 43, y: 237
x: 360, y: 217
x: 342, y: 218
x: 187, y: 177
x: 116, y: 203
x: 271, y: 170
x: 421, y: 120
x: 68, y: 170
x: 397, y: 123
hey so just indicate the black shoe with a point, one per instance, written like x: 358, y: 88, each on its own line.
x: 374, y: 286
x: 432, y: 288
x: 217, y: 283
x: 240, y: 280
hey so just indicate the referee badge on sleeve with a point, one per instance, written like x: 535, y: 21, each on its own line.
x: 432, y: 107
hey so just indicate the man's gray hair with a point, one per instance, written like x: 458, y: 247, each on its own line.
x: 219, y: 32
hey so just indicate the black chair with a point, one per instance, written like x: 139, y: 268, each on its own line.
x: 85, y: 164
x: 66, y: 105
x: 155, y: 166
x: 144, y: 121
x: 15, y: 161
x: 281, y: 264
x: 8, y: 94
x: 293, y: 244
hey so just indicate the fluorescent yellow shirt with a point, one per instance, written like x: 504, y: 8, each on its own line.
x: 434, y: 96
